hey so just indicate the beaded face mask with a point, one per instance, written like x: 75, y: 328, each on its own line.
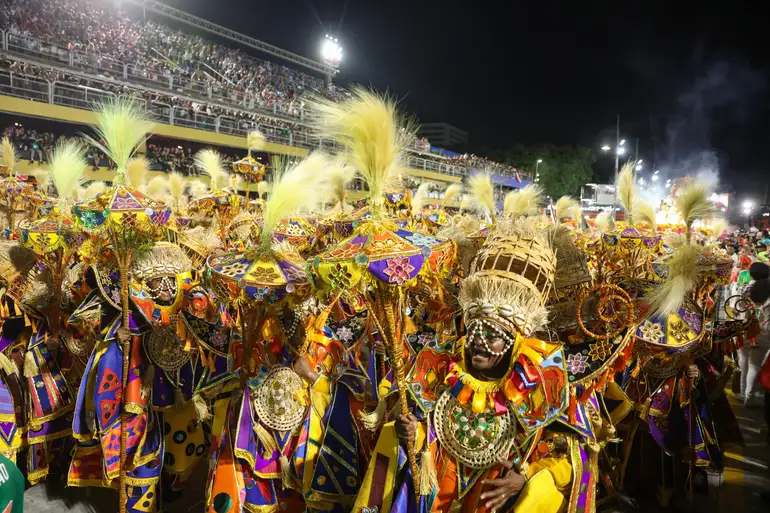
x: 162, y: 290
x: 483, y: 330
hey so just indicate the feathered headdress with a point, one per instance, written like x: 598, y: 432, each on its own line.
x: 482, y: 194
x: 524, y: 202
x: 255, y: 141
x: 567, y: 207
x: 693, y: 204
x: 9, y: 155
x: 197, y: 188
x: 418, y: 201
x: 157, y: 187
x: 644, y: 212
x: 122, y: 125
x: 369, y: 128
x: 626, y: 189
x: 452, y: 191
x: 66, y: 167
x: 297, y: 189
x: 94, y: 189
x: 682, y: 277
x: 136, y: 172
x: 339, y: 176
x: 176, y: 188
x: 210, y: 163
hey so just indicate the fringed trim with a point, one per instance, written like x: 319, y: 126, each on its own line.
x: 373, y: 420
x: 265, y: 437
x: 145, y: 388
x: 201, y: 408
x: 179, y: 400
x: 287, y: 480
x: 7, y: 365
x: 428, y: 476
x: 30, y: 366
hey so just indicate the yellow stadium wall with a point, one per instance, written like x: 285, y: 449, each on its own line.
x: 84, y: 117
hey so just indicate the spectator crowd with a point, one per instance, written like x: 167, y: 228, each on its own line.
x: 103, y: 40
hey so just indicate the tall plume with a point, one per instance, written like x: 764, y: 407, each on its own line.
x: 682, y: 277
x: 157, y: 187
x: 300, y: 188
x: 9, y: 155
x: 643, y: 211
x: 210, y: 163
x: 256, y: 141
x: 693, y: 204
x: 626, y: 189
x: 176, y: 188
x: 66, y: 167
x: 370, y: 130
x: 94, y: 189
x: 122, y: 125
x: 482, y: 194
x: 451, y: 192
x: 567, y: 207
x: 136, y: 172
x: 418, y: 201
x: 339, y: 176
x: 525, y: 202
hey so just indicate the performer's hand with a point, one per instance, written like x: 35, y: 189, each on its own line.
x: 693, y: 372
x: 305, y: 370
x: 501, y: 489
x: 124, y: 334
x: 406, y: 428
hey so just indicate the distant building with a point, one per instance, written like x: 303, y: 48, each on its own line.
x: 444, y: 135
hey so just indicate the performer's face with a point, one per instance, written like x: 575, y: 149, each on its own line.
x: 163, y: 290
x: 480, y: 355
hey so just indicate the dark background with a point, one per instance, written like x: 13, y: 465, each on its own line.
x: 689, y: 79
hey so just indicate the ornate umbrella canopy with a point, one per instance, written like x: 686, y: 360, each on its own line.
x: 224, y: 203
x: 251, y: 170
x: 377, y: 252
x: 711, y: 268
x: 260, y: 277
x: 50, y: 233
x: 121, y: 207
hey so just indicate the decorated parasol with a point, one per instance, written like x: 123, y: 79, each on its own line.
x: 248, y: 167
x: 14, y: 190
x: 219, y: 200
x: 127, y: 218
x: 377, y: 259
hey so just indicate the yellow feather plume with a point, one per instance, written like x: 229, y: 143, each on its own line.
x: 645, y: 213
x: 452, y: 192
x: 157, y: 187
x: 368, y: 126
x: 94, y: 189
x: 9, y: 155
x: 43, y: 179
x: 525, y: 202
x: 626, y: 189
x: 263, y: 187
x: 682, y: 277
x: 418, y: 200
x: 482, y: 194
x: 300, y: 188
x: 210, y: 163
x: 198, y: 189
x: 79, y: 194
x: 66, y: 167
x: 567, y: 207
x: 135, y: 173
x: 339, y: 176
x: 123, y: 125
x: 176, y: 188
x: 236, y: 183
x: 693, y: 204
x: 604, y: 221
x: 718, y: 226
x: 466, y: 203
x: 256, y: 141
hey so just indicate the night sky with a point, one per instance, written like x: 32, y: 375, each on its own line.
x: 692, y: 82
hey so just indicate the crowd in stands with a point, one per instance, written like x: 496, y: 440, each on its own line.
x: 103, y: 40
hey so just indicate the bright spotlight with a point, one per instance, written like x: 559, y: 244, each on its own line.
x: 606, y: 148
x: 748, y: 205
x: 331, y: 51
x: 539, y: 161
x: 638, y: 167
x: 654, y: 178
x: 640, y: 161
x: 622, y: 142
x: 621, y: 150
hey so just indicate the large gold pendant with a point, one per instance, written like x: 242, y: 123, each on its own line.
x: 165, y: 350
x: 478, y: 440
x: 275, y: 403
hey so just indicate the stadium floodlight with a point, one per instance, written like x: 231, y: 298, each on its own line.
x: 748, y: 204
x: 654, y: 178
x: 331, y: 51
x: 622, y: 142
x: 638, y: 167
x: 621, y: 150
x: 606, y: 147
x: 640, y: 161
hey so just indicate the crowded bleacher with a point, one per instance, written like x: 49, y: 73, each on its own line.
x: 91, y: 49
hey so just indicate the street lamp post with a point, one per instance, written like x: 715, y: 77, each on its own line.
x: 537, y: 170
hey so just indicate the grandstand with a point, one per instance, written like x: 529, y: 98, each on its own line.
x: 59, y: 57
